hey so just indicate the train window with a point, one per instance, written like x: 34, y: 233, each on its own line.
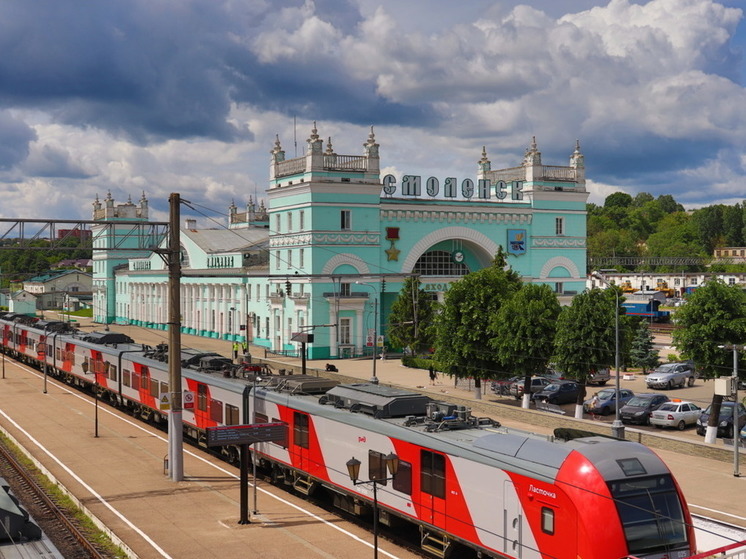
x: 201, y: 397
x: 112, y: 372
x: 433, y: 473
x: 231, y: 415
x: 300, y: 429
x: 216, y: 410
x: 547, y: 521
x: 125, y: 377
x: 154, y: 387
x: 403, y: 478
x: 260, y: 418
x: 164, y: 388
x: 59, y: 354
x: 377, y: 467
x: 136, y: 381
x: 282, y: 442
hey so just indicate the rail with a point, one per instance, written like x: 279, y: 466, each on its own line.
x: 735, y: 550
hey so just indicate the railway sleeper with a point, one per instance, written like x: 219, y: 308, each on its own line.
x: 434, y: 542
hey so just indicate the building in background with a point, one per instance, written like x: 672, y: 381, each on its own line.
x: 329, y: 253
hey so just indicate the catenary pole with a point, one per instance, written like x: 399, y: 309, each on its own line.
x: 175, y: 423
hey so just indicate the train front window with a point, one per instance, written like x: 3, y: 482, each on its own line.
x: 651, y: 513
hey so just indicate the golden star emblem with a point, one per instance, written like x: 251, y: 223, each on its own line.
x: 392, y: 254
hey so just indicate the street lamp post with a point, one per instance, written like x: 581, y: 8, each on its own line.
x: 253, y: 450
x: 353, y: 469
x: 617, y: 427
x: 374, y: 378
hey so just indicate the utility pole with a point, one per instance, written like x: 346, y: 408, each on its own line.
x: 175, y: 420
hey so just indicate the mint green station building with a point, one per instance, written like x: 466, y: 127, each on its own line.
x: 328, y: 253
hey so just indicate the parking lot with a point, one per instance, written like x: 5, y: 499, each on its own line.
x: 701, y: 394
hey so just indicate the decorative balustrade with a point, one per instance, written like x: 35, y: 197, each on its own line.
x: 548, y: 172
x: 290, y: 167
x: 346, y: 162
x: 557, y: 173
x: 333, y: 162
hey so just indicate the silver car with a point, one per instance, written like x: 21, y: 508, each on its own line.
x: 670, y: 375
x: 676, y: 414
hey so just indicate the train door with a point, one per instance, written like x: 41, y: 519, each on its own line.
x: 433, y: 487
x: 301, y: 441
x: 512, y: 521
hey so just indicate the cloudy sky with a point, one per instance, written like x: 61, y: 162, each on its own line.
x: 187, y: 95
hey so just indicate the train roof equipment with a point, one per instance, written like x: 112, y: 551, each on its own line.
x: 105, y: 338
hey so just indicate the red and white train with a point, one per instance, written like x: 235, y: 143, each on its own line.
x: 468, y: 484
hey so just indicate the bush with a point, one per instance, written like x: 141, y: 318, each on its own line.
x: 420, y: 362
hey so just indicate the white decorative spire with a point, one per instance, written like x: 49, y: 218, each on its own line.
x: 577, y: 159
x: 371, y: 147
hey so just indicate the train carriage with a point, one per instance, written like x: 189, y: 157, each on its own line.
x: 465, y: 482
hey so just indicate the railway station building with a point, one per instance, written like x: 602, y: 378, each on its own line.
x: 328, y: 253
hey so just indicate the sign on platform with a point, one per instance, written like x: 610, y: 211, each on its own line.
x: 165, y: 402
x: 247, y: 434
x: 379, y: 341
x: 188, y: 400
x: 370, y: 337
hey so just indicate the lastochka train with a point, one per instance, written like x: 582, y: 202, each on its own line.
x: 468, y: 484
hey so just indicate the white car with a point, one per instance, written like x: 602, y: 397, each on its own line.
x: 676, y: 414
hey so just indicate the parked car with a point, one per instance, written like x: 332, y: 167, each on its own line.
x: 607, y: 400
x: 599, y: 376
x: 677, y: 414
x: 537, y: 385
x: 559, y: 392
x: 725, y: 421
x: 670, y: 375
x: 639, y: 408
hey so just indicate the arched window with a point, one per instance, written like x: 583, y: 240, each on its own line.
x: 439, y: 263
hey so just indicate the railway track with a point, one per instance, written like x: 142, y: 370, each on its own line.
x: 56, y: 522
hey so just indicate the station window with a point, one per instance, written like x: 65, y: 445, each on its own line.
x: 344, y: 290
x: 302, y: 217
x: 300, y: 429
x: 547, y: 521
x: 345, y: 220
x: 559, y: 226
x: 433, y: 473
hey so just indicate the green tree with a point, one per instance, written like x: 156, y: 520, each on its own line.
x: 642, y: 351
x: 668, y: 204
x: 524, y: 330
x: 714, y: 315
x: 411, y: 318
x: 463, y: 329
x: 586, y: 334
x: 618, y: 200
